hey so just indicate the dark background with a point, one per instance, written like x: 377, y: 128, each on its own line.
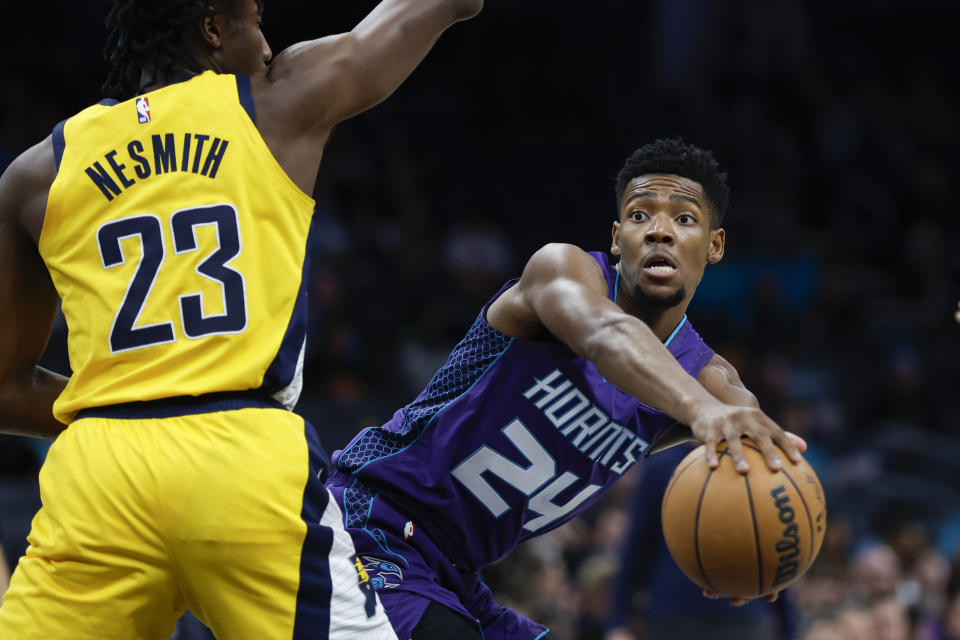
x: 837, y: 122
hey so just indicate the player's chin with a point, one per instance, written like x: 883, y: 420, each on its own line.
x: 664, y: 295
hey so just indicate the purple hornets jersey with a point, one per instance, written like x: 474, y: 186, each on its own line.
x: 510, y: 439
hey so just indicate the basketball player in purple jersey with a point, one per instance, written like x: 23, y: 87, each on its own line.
x: 568, y: 377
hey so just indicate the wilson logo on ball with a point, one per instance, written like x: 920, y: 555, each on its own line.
x: 788, y: 546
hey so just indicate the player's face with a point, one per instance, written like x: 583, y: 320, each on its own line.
x: 244, y: 49
x: 664, y: 238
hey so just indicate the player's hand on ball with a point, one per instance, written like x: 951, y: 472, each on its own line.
x: 719, y: 421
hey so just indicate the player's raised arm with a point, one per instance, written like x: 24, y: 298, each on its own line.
x: 316, y: 84
x: 27, y: 298
x: 562, y: 291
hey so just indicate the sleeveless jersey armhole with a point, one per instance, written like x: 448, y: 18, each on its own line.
x: 246, y: 97
x: 59, y: 142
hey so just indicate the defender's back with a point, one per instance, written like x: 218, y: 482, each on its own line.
x: 179, y: 273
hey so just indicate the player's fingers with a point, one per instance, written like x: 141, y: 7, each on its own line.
x: 798, y: 442
x: 770, y: 453
x: 735, y: 447
x: 710, y: 451
x: 710, y: 594
x: 772, y: 597
x: 738, y: 602
x: 785, y: 442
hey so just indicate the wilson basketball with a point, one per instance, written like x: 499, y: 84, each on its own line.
x: 740, y: 535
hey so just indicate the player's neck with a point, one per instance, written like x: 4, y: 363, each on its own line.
x: 663, y: 322
x: 159, y: 80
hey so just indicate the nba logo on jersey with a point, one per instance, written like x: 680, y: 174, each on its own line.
x: 143, y: 110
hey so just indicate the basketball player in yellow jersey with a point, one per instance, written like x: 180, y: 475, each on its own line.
x: 173, y: 226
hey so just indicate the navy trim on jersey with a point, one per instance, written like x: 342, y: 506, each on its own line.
x: 58, y: 142
x: 314, y: 594
x: 246, y: 97
x: 182, y: 406
x: 284, y: 366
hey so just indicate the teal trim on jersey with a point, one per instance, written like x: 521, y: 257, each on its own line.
x: 616, y: 290
x: 542, y: 634
x: 675, y: 331
x: 442, y: 409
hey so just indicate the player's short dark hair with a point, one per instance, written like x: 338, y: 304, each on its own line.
x: 154, y: 36
x: 676, y: 157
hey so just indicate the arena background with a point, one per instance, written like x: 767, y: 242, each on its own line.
x: 837, y: 122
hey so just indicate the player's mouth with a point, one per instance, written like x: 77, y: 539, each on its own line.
x: 659, y: 266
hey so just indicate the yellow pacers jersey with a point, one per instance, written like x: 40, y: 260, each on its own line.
x: 177, y: 245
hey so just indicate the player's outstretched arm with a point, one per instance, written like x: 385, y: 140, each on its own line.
x: 340, y: 76
x: 311, y: 86
x: 28, y: 299
x: 563, y: 292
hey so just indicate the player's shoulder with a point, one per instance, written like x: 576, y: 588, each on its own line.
x: 25, y: 181
x: 558, y: 258
x: 34, y: 164
x: 559, y: 264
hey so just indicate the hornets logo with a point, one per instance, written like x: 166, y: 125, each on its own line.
x: 383, y: 574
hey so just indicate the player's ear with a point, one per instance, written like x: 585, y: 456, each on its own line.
x: 615, y: 245
x: 718, y: 239
x: 211, y: 31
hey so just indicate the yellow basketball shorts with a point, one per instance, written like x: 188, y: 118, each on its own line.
x: 153, y: 508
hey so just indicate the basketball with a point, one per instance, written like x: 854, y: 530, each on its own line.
x: 739, y: 535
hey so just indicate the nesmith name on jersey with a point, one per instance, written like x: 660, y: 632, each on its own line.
x: 197, y: 153
x: 587, y: 427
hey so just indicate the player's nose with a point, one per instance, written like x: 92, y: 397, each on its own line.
x: 659, y: 231
x: 267, y: 52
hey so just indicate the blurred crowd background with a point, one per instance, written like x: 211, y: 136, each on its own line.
x: 837, y: 122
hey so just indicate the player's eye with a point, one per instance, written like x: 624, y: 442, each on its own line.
x: 686, y: 218
x: 638, y: 215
